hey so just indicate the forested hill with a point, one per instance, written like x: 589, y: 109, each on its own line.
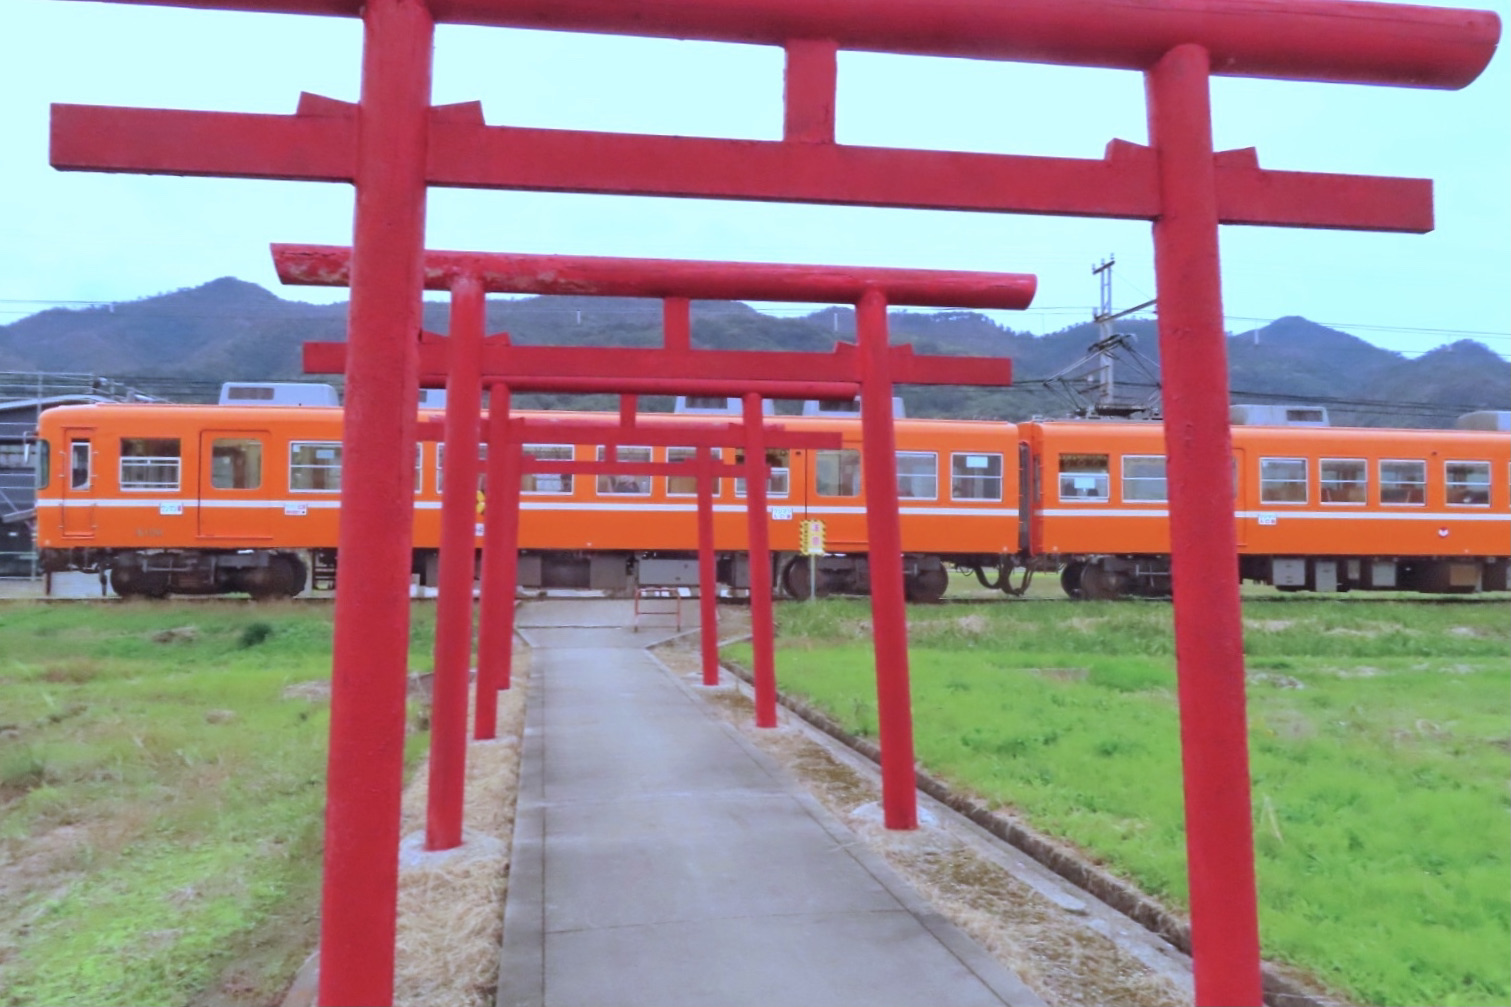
x: 184, y: 343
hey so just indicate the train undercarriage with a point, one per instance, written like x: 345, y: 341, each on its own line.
x: 1101, y: 578
x: 157, y: 573
x: 925, y: 578
x: 265, y: 573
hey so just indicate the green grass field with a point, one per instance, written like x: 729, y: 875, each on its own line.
x: 1380, y: 735
x: 162, y: 781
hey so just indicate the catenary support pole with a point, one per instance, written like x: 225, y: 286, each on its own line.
x: 708, y: 583
x: 889, y: 617
x: 495, y: 631
x: 1204, y: 551
x: 762, y: 625
x: 371, y: 645
x: 453, y: 617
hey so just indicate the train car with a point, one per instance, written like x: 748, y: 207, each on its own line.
x: 213, y: 499
x: 1324, y: 509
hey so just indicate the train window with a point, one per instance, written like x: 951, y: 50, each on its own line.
x: 1403, y: 482
x: 917, y: 475
x: 777, y: 482
x: 837, y: 473
x: 1144, y: 479
x: 1282, y: 480
x: 1083, y: 477
x: 1345, y: 481
x: 149, y: 463
x: 44, y: 464
x: 78, y: 465
x: 1467, y: 483
x: 315, y: 466
x: 236, y: 463
x: 976, y: 477
x: 686, y: 486
x: 557, y: 483
x: 622, y: 485
x: 440, y: 465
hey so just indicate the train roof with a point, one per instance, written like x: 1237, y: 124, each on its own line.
x: 252, y: 416
x: 1296, y: 434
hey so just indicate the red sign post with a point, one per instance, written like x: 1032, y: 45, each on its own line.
x: 393, y: 144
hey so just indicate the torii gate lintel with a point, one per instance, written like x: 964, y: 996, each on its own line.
x: 319, y: 144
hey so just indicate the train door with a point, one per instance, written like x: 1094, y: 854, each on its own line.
x: 79, y: 482
x: 800, y: 482
x: 1025, y: 498
x: 1244, y: 513
x: 233, y: 492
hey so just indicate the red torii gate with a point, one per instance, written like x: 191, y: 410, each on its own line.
x: 869, y: 369
x: 456, y: 362
x: 454, y: 604
x: 494, y: 665
x: 393, y: 144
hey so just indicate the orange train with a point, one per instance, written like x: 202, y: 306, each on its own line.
x: 211, y: 499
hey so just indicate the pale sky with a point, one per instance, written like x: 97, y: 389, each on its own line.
x: 86, y: 237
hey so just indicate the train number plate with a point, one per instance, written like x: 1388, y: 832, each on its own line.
x: 1267, y: 519
x: 295, y: 510
x: 781, y: 513
x: 170, y: 509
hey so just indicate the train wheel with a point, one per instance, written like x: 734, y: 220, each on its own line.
x: 282, y: 578
x: 1100, y: 584
x: 795, y: 580
x: 123, y: 584
x: 299, y: 574
x: 928, y: 585
x: 134, y: 582
x: 1070, y: 579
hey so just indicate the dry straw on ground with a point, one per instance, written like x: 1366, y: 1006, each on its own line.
x: 451, y: 905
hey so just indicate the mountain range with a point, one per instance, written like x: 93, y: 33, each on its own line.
x: 184, y: 343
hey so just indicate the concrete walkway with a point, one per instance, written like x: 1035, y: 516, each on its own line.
x: 660, y: 859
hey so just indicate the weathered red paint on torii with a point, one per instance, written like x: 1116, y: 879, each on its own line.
x: 1321, y: 40
x: 601, y: 276
x: 549, y: 368
x: 1179, y: 183
x: 317, y: 144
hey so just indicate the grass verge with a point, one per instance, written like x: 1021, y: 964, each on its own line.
x: 1378, y: 737
x: 162, y: 778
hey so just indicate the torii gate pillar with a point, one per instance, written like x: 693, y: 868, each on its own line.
x: 371, y: 644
